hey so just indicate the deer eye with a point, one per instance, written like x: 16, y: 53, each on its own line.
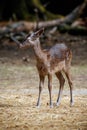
x: 33, y: 37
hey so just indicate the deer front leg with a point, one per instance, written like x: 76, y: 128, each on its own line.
x: 50, y: 89
x: 40, y: 89
x: 61, y: 81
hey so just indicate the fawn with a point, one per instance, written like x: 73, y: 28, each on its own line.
x: 53, y: 61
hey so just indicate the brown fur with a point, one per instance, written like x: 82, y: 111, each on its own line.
x: 53, y: 61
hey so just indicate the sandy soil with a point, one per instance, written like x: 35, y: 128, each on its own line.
x: 18, y: 96
x: 19, y: 111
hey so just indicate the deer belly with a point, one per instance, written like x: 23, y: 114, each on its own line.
x: 57, y: 66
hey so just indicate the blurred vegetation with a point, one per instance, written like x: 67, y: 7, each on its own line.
x: 29, y: 9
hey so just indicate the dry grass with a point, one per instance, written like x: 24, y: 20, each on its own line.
x: 19, y: 112
x: 26, y: 76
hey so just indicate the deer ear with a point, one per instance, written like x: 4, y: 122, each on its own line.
x: 39, y: 32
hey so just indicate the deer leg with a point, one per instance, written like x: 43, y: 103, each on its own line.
x: 40, y: 89
x: 71, y: 87
x: 61, y: 81
x: 50, y: 89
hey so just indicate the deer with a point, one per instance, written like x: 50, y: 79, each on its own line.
x: 56, y: 60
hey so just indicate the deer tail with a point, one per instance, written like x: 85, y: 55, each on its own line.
x: 68, y: 55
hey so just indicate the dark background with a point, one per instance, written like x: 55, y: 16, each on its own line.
x: 25, y: 9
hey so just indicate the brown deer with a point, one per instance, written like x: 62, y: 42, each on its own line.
x: 53, y: 61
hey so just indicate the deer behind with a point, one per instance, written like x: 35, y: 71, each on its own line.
x: 53, y: 61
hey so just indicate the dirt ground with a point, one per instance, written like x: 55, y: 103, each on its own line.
x: 19, y: 91
x: 18, y: 111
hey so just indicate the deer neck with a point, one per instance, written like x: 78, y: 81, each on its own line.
x: 40, y: 55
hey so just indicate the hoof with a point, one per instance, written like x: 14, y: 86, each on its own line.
x: 51, y: 106
x: 57, y: 104
x: 38, y: 107
x: 71, y: 104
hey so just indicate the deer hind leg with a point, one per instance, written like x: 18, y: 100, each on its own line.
x: 70, y: 85
x: 40, y: 89
x: 50, y: 89
x: 61, y: 81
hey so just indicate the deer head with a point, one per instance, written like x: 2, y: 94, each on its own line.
x: 32, y: 39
